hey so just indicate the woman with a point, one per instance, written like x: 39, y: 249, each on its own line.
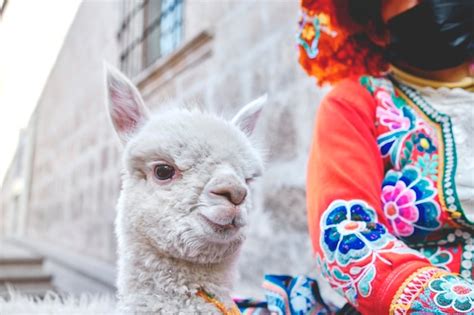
x: 391, y: 176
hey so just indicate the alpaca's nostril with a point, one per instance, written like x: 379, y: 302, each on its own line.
x: 235, y: 195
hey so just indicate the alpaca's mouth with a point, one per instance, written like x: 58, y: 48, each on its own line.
x: 220, y: 227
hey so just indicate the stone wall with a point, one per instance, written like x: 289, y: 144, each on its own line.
x: 233, y: 51
x: 76, y: 178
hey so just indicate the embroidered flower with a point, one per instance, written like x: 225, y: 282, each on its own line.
x: 437, y: 256
x: 453, y: 291
x: 389, y: 114
x: 408, y: 203
x: 423, y: 143
x: 350, y: 232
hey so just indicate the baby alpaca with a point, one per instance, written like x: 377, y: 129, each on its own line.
x: 184, y: 203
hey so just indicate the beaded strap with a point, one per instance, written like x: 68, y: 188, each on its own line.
x: 234, y: 310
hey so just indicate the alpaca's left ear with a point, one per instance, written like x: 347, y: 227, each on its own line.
x: 246, y: 118
x: 125, y: 104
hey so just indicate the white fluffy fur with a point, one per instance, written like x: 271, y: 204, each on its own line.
x: 178, y: 236
x: 54, y: 304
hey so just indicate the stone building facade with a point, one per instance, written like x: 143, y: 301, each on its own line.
x: 226, y: 54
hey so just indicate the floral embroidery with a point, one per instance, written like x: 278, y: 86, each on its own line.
x: 428, y: 164
x: 390, y: 143
x: 438, y: 127
x: 389, y: 113
x: 423, y: 143
x: 347, y: 285
x: 350, y: 232
x: 353, y: 241
x: 410, y: 290
x: 392, y: 113
x: 408, y: 203
x: 453, y: 291
x: 437, y: 256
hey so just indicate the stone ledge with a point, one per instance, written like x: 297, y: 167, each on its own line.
x: 167, y: 68
x: 96, y: 270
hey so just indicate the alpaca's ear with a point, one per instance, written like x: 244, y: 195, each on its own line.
x: 125, y: 104
x: 246, y: 118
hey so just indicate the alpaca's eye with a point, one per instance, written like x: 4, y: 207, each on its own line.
x: 164, y: 171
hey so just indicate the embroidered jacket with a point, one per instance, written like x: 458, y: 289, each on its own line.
x: 385, y: 221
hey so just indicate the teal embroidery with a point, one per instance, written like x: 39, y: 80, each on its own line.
x: 438, y: 257
x: 311, y: 49
x: 453, y: 291
x: 428, y: 164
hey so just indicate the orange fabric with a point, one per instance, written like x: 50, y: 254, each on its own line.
x: 345, y: 164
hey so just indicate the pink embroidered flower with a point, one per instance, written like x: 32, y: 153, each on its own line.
x: 408, y: 203
x: 399, y: 208
x: 389, y: 115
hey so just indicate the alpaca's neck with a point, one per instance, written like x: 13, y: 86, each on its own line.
x: 147, y: 274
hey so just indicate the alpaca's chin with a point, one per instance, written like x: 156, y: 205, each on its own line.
x: 216, y: 252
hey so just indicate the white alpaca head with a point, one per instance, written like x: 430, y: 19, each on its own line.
x: 186, y: 182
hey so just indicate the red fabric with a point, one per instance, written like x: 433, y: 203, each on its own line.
x: 345, y: 164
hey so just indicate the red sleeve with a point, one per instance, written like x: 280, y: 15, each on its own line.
x: 358, y: 255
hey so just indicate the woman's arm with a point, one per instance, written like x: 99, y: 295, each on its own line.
x: 358, y: 254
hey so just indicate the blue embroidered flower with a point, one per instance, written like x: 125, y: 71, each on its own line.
x: 453, y: 291
x: 350, y: 232
x: 409, y: 205
x: 423, y: 143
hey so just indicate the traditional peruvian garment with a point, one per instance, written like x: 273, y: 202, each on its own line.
x: 390, y: 184
x: 390, y: 207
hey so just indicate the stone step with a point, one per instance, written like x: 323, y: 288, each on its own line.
x: 24, y: 275
x: 20, y: 268
x: 15, y: 261
x: 34, y: 289
x: 22, y: 271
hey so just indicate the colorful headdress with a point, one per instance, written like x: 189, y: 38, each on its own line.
x: 332, y: 46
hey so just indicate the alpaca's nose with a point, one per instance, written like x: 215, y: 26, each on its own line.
x: 235, y: 194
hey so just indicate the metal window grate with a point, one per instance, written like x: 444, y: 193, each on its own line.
x: 149, y: 30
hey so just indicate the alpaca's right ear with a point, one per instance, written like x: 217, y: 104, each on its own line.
x: 125, y: 104
x: 246, y: 118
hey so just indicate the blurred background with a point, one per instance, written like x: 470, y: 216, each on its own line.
x: 60, y: 161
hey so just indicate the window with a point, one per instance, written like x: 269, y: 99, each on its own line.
x: 3, y: 4
x: 150, y: 30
